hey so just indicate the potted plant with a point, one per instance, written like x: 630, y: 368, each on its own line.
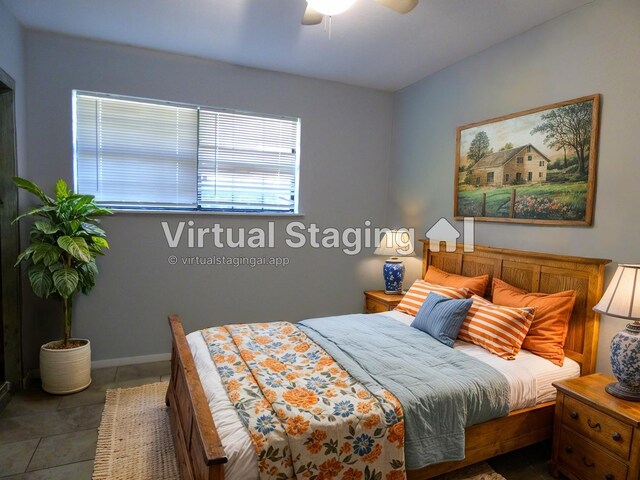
x: 61, y: 259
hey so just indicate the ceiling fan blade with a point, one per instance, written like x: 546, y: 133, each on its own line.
x: 311, y: 16
x: 400, y: 6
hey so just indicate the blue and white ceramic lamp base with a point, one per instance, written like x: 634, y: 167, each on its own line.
x: 393, y: 272
x: 625, y: 362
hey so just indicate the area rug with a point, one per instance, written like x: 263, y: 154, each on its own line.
x: 135, y: 443
x: 478, y: 471
x: 134, y: 438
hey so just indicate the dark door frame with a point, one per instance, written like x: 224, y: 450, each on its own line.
x: 10, y: 236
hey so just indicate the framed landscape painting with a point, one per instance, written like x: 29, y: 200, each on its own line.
x: 537, y: 166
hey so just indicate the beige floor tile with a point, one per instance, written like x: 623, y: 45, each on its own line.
x: 31, y: 401
x: 23, y: 427
x: 86, y: 397
x: 14, y: 457
x: 144, y: 370
x: 74, y: 471
x: 63, y: 449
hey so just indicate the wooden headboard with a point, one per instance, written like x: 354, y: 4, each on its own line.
x: 537, y: 272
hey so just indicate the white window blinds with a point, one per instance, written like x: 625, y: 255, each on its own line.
x: 247, y: 162
x: 131, y: 153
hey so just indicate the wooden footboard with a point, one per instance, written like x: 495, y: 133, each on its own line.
x: 197, y: 445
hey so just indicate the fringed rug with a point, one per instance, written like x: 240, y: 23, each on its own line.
x: 478, y: 471
x: 135, y: 443
x: 134, y: 439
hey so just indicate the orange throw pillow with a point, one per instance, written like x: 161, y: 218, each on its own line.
x: 417, y: 294
x: 477, y: 285
x: 496, y: 328
x: 550, y: 326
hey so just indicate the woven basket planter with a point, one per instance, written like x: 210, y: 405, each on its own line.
x: 65, y: 370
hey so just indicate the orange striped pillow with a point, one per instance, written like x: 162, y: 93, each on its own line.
x: 496, y: 328
x: 417, y: 294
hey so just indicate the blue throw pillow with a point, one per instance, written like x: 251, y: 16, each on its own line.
x: 442, y: 317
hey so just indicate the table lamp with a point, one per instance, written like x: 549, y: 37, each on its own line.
x: 622, y: 300
x: 394, y: 243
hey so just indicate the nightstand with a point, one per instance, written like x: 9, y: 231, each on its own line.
x: 596, y: 435
x: 377, y: 301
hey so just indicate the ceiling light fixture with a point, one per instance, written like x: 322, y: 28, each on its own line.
x: 330, y: 7
x: 318, y: 11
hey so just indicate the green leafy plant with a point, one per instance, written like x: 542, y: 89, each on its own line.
x: 65, y: 242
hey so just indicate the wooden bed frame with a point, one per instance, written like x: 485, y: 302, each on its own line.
x: 200, y: 453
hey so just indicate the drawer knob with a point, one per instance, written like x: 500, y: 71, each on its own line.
x: 609, y: 476
x: 588, y: 464
x: 595, y: 426
x: 574, y: 414
x: 568, y: 449
x: 616, y: 436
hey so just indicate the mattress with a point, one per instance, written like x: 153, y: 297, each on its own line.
x: 530, y: 382
x: 530, y: 377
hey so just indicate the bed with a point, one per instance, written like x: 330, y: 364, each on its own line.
x: 198, y: 446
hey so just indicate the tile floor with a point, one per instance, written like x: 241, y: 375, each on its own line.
x: 47, y: 437
x: 53, y: 437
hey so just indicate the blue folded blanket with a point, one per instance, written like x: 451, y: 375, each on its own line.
x: 441, y: 390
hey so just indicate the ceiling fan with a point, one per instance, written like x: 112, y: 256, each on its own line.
x: 317, y: 9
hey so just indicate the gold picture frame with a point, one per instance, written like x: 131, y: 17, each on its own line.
x: 537, y: 166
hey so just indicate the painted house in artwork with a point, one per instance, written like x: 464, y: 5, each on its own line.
x: 525, y: 164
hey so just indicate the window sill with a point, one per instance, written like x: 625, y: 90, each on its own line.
x: 120, y: 211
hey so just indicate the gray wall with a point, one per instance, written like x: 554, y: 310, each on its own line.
x: 345, y: 152
x: 594, y: 49
x: 345, y: 164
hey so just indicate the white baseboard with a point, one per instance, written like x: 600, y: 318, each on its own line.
x: 118, y: 362
x: 34, y: 374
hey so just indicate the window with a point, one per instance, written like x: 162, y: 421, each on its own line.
x: 530, y: 176
x: 143, y: 154
x: 478, y: 180
x: 490, y: 177
x: 518, y: 177
x: 519, y: 159
x: 506, y: 177
x: 541, y: 163
x: 540, y: 174
x: 529, y: 158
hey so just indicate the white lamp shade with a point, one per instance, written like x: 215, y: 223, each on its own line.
x: 330, y: 7
x: 622, y: 297
x: 395, y: 243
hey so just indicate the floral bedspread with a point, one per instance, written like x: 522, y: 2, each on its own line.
x: 307, y: 417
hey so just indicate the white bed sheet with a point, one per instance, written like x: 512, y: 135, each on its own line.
x: 530, y: 381
x: 530, y: 377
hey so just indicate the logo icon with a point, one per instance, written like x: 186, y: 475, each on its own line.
x: 444, y: 231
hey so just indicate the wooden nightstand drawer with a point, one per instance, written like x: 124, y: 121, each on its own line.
x: 595, y: 435
x: 376, y: 301
x: 587, y: 460
x: 373, y: 306
x: 614, y: 435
